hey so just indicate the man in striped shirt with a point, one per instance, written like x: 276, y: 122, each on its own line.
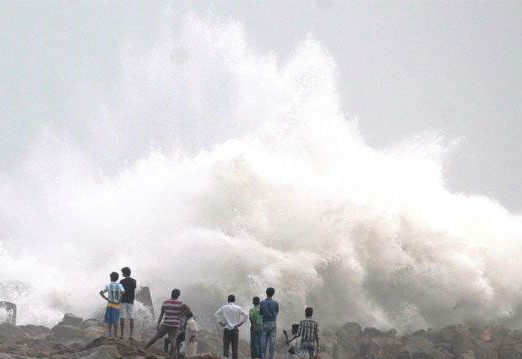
x: 169, y: 320
x: 309, y: 333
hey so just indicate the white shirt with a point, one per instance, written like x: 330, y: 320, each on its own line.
x: 231, y: 315
x: 191, y: 329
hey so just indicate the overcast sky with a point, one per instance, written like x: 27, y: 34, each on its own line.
x: 404, y: 68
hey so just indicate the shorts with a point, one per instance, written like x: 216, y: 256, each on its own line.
x: 112, y: 315
x: 307, y: 348
x: 127, y: 311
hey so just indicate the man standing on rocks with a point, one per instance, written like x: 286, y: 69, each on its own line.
x: 127, y: 301
x: 309, y: 333
x: 171, y: 312
x: 256, y: 329
x: 114, y: 292
x: 269, y: 309
x: 230, y: 316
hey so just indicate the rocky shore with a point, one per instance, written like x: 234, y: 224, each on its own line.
x: 74, y: 338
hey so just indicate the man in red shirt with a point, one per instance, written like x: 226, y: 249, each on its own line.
x: 172, y: 311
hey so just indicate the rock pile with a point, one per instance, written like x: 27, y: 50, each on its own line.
x: 76, y: 338
x: 453, y: 342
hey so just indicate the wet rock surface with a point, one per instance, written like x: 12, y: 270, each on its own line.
x: 74, y: 338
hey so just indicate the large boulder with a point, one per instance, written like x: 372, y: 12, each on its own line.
x: 94, y: 332
x: 91, y: 322
x: 418, y: 343
x: 9, y: 332
x: 379, y: 345
x: 69, y: 329
x: 67, y: 333
x: 72, y: 320
x: 427, y: 345
x: 328, y: 343
x: 35, y: 331
x: 510, y: 347
x: 14, y: 356
x: 144, y: 296
x: 464, y: 342
x: 348, y: 346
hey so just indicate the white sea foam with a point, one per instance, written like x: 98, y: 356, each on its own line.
x: 214, y: 168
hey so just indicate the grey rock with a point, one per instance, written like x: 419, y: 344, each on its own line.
x: 348, y: 343
x: 35, y: 331
x: 103, y: 352
x: 67, y: 333
x: 11, y: 332
x: 14, y: 356
x: 72, y: 320
x: 467, y: 355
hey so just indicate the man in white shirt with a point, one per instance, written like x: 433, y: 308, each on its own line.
x: 231, y: 317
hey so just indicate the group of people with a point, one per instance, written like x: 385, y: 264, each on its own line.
x: 120, y: 302
x: 263, y: 329
x: 177, y: 321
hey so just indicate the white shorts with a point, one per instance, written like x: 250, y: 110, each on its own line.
x: 126, y: 311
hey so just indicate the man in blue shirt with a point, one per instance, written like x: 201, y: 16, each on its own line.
x: 269, y: 309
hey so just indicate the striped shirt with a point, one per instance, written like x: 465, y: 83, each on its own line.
x: 173, y: 310
x: 308, y: 330
x: 114, y: 292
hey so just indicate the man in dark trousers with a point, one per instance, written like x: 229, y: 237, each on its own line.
x: 269, y: 309
x: 230, y: 316
x: 127, y: 301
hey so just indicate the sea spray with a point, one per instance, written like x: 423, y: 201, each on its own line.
x: 216, y: 169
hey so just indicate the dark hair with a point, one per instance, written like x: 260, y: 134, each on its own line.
x: 231, y: 298
x: 114, y: 276
x: 126, y: 271
x: 309, y: 311
x: 270, y: 292
x: 256, y: 300
x: 295, y: 328
x: 175, y: 293
x: 189, y: 314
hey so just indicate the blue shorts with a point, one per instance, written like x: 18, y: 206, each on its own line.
x: 112, y: 315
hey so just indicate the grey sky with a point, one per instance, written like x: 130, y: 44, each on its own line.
x: 404, y: 67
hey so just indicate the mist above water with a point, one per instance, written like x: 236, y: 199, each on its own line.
x: 214, y: 168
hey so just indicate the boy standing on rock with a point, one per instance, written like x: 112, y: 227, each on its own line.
x: 114, y: 292
x: 127, y: 300
x: 309, y: 333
